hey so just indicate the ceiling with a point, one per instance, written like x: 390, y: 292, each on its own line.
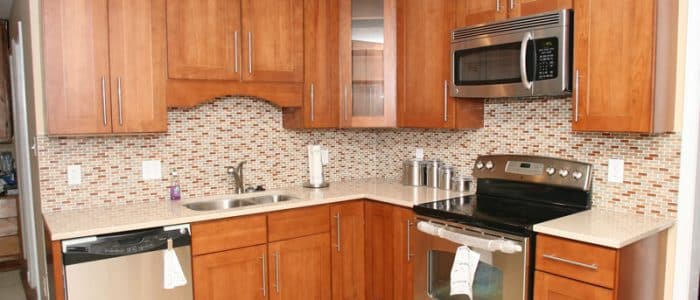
x: 5, y: 8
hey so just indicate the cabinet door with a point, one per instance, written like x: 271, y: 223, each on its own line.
x: 368, y: 63
x: 137, y: 65
x: 204, y: 39
x: 233, y: 274
x: 300, y: 268
x: 348, y: 250
x: 520, y: 8
x: 76, y: 59
x: 388, y: 254
x: 473, y: 12
x: 552, y: 287
x: 424, y: 50
x: 613, y: 65
x: 274, y: 40
x: 321, y: 63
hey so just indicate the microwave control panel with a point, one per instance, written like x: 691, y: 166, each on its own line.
x: 547, y: 52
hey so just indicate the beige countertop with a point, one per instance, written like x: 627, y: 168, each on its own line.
x: 605, y: 228
x: 96, y: 221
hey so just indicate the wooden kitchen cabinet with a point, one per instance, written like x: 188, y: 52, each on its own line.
x: 348, y: 250
x: 567, y: 269
x: 388, y: 264
x: 105, y: 66
x: 232, y: 274
x: 320, y: 104
x: 520, y: 8
x: 474, y: 12
x: 424, y: 70
x: 300, y: 268
x: 368, y: 61
x: 624, y: 66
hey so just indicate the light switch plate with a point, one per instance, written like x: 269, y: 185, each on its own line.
x: 74, y: 175
x: 151, y: 169
x: 419, y: 154
x: 616, y: 170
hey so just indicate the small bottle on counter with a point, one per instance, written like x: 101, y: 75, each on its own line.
x: 174, y: 187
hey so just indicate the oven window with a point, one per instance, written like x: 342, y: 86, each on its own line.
x: 497, y: 64
x: 488, y: 280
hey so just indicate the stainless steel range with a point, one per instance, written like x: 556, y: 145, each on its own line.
x: 514, y: 192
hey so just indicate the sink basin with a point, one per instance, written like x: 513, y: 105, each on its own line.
x: 234, y: 203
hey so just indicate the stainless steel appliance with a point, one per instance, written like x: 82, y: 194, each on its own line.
x: 126, y: 265
x: 522, y: 57
x: 513, y: 193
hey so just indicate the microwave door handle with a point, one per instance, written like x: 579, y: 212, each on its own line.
x: 523, y: 61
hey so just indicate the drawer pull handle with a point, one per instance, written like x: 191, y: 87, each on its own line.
x: 571, y: 262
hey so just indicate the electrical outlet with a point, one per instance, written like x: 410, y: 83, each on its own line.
x: 419, y: 153
x: 151, y: 169
x: 74, y: 175
x: 616, y: 170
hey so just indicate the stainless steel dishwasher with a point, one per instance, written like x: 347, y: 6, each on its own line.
x: 127, y: 265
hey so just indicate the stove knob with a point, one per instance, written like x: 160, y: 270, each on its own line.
x: 550, y: 171
x: 564, y: 172
x: 489, y: 165
x: 479, y: 165
x: 577, y: 174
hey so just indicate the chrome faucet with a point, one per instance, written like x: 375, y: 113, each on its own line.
x: 237, y: 173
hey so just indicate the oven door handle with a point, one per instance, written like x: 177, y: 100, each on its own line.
x: 523, y: 60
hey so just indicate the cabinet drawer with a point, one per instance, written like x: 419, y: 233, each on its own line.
x: 298, y: 222
x: 552, y: 287
x: 580, y: 261
x: 232, y: 233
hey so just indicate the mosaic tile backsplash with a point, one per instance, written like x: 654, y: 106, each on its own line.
x: 202, y: 141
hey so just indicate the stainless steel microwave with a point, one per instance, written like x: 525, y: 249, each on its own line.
x: 523, y: 57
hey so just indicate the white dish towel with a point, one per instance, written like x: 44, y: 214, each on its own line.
x: 463, y: 271
x: 172, y: 271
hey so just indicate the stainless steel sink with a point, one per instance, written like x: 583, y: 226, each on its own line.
x: 234, y: 203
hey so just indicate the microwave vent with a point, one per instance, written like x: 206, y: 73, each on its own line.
x: 542, y: 20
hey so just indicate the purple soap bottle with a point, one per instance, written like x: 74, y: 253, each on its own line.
x: 175, y: 187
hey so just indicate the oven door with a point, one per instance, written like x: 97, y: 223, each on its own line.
x: 499, y: 276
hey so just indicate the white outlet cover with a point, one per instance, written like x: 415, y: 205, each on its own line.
x: 74, y: 175
x: 616, y: 170
x: 419, y: 153
x: 151, y: 170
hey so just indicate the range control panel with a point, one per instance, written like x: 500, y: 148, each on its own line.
x: 535, y: 169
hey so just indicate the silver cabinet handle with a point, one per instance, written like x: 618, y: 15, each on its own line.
x: 345, y: 102
x: 235, y: 51
x: 408, y: 240
x: 577, y: 86
x: 571, y: 262
x: 312, y: 102
x: 523, y: 61
x: 119, y: 100
x: 104, y: 102
x: 250, y: 52
x: 445, y: 98
x: 337, y: 228
x: 277, y: 272
x: 264, y: 275
x: 498, y: 5
x: 512, y: 4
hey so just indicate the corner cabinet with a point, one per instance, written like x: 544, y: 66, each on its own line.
x: 105, y: 66
x: 367, y: 63
x: 624, y: 66
x: 424, y: 69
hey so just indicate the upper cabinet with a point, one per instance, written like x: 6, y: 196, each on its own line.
x: 367, y: 63
x: 624, y: 68
x: 473, y: 12
x: 320, y: 104
x: 235, y: 47
x: 104, y: 66
x: 424, y: 69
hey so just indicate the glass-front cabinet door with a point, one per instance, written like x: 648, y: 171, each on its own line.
x: 368, y: 63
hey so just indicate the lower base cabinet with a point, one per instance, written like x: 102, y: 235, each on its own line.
x: 232, y: 274
x: 300, y: 268
x: 553, y: 287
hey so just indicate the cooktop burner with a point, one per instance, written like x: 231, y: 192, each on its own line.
x: 516, y: 192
